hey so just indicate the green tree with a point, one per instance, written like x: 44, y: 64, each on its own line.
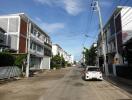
x: 19, y: 60
x: 90, y: 55
x: 56, y: 62
x: 63, y: 62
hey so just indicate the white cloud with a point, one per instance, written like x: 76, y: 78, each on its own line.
x: 38, y: 19
x: 49, y: 27
x: 52, y: 27
x: 73, y: 7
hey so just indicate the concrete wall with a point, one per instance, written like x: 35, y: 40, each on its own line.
x: 45, y: 64
x: 54, y: 50
x: 126, y: 19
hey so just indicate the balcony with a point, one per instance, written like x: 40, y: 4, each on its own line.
x: 36, y: 39
x: 47, y: 52
x: 37, y: 53
x: 47, y: 44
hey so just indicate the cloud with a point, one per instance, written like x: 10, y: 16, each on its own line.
x: 38, y: 19
x: 72, y: 7
x: 52, y: 27
x: 49, y: 27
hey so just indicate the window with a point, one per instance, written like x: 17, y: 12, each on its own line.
x: 35, y: 32
x: 39, y: 48
x: 32, y: 28
x: 34, y: 46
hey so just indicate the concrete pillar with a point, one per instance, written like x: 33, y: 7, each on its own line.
x: 114, y: 70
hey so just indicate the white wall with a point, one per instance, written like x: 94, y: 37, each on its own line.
x: 11, y: 24
x: 54, y: 50
x: 126, y: 19
x: 45, y: 64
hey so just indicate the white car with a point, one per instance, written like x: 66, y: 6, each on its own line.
x: 93, y: 73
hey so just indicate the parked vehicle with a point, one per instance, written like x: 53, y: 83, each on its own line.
x: 93, y: 73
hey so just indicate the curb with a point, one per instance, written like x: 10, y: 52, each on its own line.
x: 117, y: 86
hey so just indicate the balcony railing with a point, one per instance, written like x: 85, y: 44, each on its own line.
x: 47, y: 44
x: 36, y: 39
x: 37, y: 53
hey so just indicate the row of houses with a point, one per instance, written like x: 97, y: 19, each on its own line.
x: 57, y: 50
x: 117, y: 39
x: 20, y: 35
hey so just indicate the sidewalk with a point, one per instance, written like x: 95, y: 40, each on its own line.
x: 122, y: 83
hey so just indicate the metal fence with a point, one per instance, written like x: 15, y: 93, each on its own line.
x: 9, y: 72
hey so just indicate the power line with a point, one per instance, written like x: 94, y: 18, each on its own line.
x: 89, y: 26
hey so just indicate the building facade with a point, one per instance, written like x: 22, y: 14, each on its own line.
x: 22, y: 33
x: 57, y: 50
x: 117, y: 37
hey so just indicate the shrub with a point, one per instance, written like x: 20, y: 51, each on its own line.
x: 6, y: 59
x: 55, y: 62
x: 19, y: 60
x: 58, y: 61
x: 69, y: 65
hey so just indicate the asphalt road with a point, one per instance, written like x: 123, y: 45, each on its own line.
x: 64, y: 84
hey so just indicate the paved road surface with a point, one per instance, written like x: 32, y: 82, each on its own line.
x: 64, y: 84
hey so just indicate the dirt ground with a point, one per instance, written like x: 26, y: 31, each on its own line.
x: 63, y: 84
x: 31, y: 88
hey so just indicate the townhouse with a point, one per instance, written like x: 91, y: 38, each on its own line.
x: 57, y: 49
x: 22, y: 33
x: 118, y: 39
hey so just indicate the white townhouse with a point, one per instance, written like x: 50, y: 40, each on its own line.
x: 22, y: 33
x: 57, y: 49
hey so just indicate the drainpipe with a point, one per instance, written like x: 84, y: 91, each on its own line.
x: 117, y: 57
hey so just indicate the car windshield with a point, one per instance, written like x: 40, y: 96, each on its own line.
x: 93, y: 69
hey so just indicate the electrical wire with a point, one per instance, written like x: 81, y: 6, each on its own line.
x: 89, y: 26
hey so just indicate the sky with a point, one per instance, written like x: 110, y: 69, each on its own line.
x: 67, y: 22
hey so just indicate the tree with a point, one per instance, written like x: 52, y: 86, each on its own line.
x: 63, y: 62
x: 57, y: 61
x: 90, y: 55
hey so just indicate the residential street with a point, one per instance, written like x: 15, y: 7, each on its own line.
x: 64, y: 84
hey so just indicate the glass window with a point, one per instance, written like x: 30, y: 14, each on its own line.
x: 39, y: 48
x: 35, y: 32
x: 31, y: 45
x: 32, y: 28
x: 34, y: 46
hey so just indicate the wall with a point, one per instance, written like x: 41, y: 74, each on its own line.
x: 45, y: 64
x: 23, y: 36
x: 11, y: 25
x: 54, y: 50
x: 126, y: 20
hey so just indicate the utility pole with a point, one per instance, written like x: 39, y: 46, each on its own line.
x: 28, y: 50
x: 96, y: 7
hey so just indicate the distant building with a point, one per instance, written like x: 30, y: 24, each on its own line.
x: 19, y: 30
x: 57, y: 50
